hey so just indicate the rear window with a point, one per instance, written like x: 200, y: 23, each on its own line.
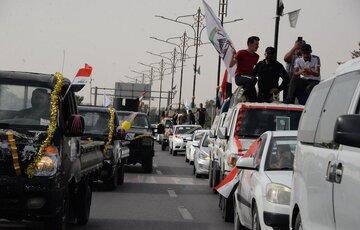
x: 96, y: 122
x: 256, y: 121
x: 186, y: 129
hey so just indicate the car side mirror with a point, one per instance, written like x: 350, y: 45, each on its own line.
x: 346, y: 132
x: 75, y: 126
x: 222, y: 133
x: 246, y: 163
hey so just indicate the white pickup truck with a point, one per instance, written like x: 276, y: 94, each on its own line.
x: 243, y: 124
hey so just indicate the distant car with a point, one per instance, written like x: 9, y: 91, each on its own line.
x: 262, y: 197
x: 202, y: 157
x: 192, y: 144
x: 180, y: 135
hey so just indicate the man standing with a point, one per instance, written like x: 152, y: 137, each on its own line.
x: 201, y: 115
x: 268, y: 72
x: 245, y: 61
x: 307, y: 70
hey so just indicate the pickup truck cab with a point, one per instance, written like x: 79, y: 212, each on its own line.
x: 98, y: 127
x: 326, y: 170
x: 46, y: 171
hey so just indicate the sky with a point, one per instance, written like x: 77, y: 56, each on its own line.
x: 113, y: 36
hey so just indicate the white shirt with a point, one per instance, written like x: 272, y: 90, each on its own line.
x: 312, y: 64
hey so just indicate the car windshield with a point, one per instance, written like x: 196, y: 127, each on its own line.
x: 24, y: 105
x: 281, y: 154
x: 256, y: 121
x: 140, y: 121
x: 168, y: 123
x: 186, y: 129
x: 123, y: 116
x: 96, y: 122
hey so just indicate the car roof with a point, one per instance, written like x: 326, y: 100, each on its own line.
x: 349, y: 66
x: 93, y: 108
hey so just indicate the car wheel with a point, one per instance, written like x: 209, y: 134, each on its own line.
x: 148, y: 165
x: 237, y: 223
x: 298, y: 223
x: 83, y: 202
x: 210, y: 176
x: 163, y: 146
x: 58, y: 222
x: 112, y: 182
x: 227, y: 208
x: 121, y: 173
x: 255, y: 224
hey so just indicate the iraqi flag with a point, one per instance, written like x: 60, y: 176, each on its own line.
x: 226, y: 186
x: 81, y: 78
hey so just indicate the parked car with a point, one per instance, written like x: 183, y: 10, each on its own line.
x: 179, y: 137
x: 262, y: 197
x: 202, y: 157
x: 327, y: 163
x: 192, y: 144
x: 141, y: 142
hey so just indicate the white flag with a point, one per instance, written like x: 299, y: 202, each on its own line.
x: 219, y: 38
x: 293, y: 17
x: 107, y: 101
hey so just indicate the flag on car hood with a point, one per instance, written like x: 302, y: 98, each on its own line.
x: 225, y: 187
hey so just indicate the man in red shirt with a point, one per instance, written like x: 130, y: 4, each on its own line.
x: 246, y: 60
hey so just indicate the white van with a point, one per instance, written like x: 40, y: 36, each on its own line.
x: 326, y: 180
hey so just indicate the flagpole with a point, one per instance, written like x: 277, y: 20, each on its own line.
x: 279, y: 11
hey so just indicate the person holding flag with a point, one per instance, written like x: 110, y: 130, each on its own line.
x: 245, y: 61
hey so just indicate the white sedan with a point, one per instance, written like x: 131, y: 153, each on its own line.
x: 179, y: 137
x: 262, y: 197
x: 193, y: 144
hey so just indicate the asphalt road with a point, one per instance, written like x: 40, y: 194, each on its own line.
x: 169, y: 198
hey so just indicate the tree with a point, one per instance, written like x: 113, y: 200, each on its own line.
x: 79, y: 99
x: 356, y: 53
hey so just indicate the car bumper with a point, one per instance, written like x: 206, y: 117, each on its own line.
x: 276, y: 220
x: 179, y: 146
x: 32, y: 199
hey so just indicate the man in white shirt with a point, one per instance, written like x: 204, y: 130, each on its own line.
x: 307, y: 69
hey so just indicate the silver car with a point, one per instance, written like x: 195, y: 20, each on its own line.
x: 202, y: 157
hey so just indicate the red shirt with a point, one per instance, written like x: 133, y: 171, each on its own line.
x: 245, y: 62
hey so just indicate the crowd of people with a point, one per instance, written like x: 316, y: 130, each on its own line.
x: 187, y: 117
x: 302, y: 72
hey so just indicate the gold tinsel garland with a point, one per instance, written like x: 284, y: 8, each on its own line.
x: 52, y: 126
x: 111, y: 128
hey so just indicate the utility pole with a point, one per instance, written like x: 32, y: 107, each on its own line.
x: 279, y: 13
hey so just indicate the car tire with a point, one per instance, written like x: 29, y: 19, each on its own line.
x: 148, y: 165
x: 121, y: 173
x: 112, y: 182
x: 227, y: 208
x: 255, y: 223
x: 84, y: 196
x: 298, y: 223
x: 163, y: 146
x: 58, y: 222
x: 237, y: 223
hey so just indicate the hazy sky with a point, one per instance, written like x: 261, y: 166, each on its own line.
x: 113, y: 36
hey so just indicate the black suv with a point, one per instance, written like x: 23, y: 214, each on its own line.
x: 140, y: 137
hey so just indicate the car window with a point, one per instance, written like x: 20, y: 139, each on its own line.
x: 257, y: 155
x: 337, y: 103
x: 95, y: 122
x: 256, y: 121
x: 206, y: 141
x: 140, y: 121
x: 186, y: 129
x: 198, y: 136
x: 281, y: 154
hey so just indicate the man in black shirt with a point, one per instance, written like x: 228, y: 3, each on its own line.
x: 269, y: 71
x: 201, y: 115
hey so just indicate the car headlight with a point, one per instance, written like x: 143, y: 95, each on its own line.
x: 178, y: 139
x: 277, y: 193
x: 49, y: 162
x: 204, y: 156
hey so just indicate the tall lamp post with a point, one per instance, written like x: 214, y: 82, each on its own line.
x: 197, y: 27
x: 173, y: 60
x: 183, y: 47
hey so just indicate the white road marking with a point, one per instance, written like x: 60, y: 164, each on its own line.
x: 171, y: 192
x: 160, y: 179
x: 186, y: 215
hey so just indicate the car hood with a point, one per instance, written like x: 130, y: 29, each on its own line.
x: 280, y: 177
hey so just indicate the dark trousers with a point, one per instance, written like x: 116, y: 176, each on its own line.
x: 248, y: 84
x: 301, y: 89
